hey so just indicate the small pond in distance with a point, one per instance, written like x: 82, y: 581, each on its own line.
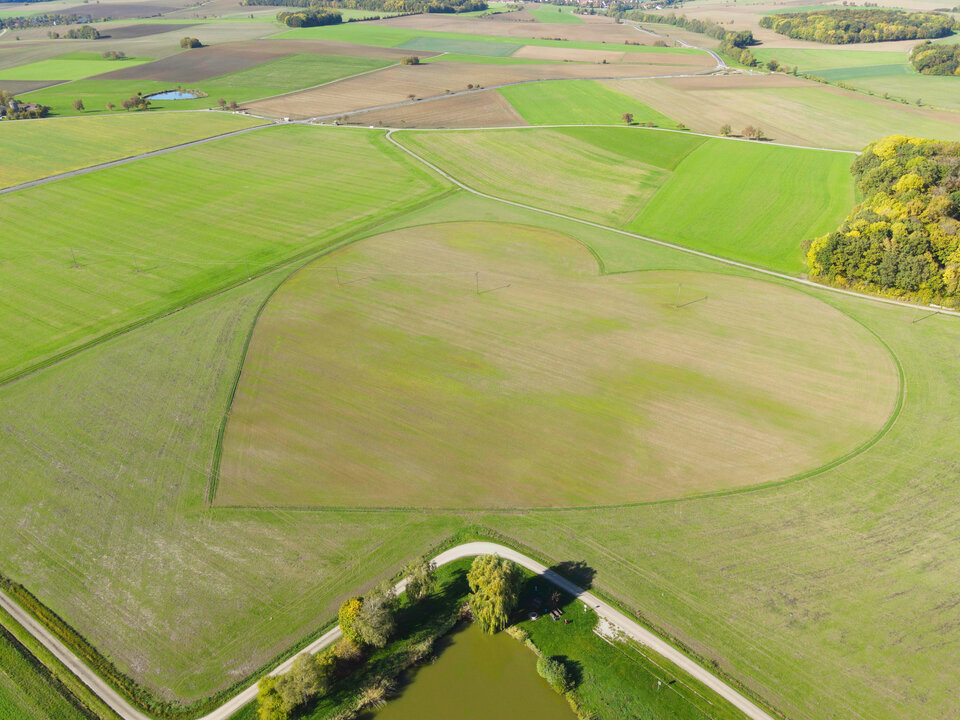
x: 477, y: 677
x: 173, y: 95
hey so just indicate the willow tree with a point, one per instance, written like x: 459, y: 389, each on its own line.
x: 494, y: 591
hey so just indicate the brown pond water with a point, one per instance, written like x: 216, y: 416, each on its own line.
x: 477, y: 677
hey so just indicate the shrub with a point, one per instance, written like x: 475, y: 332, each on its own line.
x: 555, y: 672
x: 349, y: 611
x: 410, y: 60
x: 190, y: 42
x: 518, y: 633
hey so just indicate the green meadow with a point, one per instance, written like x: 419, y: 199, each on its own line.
x: 554, y: 13
x: 387, y: 36
x: 72, y: 66
x: 559, y: 102
x: 29, y: 151
x: 742, y: 200
x: 275, y: 77
x: 142, y: 239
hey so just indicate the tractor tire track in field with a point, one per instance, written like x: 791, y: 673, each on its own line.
x: 622, y: 622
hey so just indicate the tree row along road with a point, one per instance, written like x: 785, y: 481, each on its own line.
x: 629, y: 627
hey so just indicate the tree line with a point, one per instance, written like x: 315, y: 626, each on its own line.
x: 47, y: 19
x: 936, y: 59
x: 391, y: 6
x: 859, y: 25
x: 733, y: 43
x: 310, y: 17
x: 902, y: 240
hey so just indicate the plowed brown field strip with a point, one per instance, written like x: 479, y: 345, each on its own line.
x: 484, y: 109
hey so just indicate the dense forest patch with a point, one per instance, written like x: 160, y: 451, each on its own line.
x: 902, y: 239
x: 859, y: 25
x: 931, y: 59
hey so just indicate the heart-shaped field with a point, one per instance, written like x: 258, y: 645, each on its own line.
x: 489, y: 365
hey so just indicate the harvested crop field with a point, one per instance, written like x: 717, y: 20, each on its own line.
x: 736, y: 82
x: 805, y: 114
x: 397, y: 84
x: 142, y: 30
x: 390, y: 388
x: 537, y: 52
x: 122, y: 10
x: 482, y: 109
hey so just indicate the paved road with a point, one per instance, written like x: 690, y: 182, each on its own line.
x: 628, y: 626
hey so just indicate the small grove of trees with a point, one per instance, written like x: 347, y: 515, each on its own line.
x: 113, y: 55
x: 410, y: 60
x: 281, y: 696
x: 312, y: 17
x: 903, y: 240
x: 190, y: 42
x: 936, y: 59
x: 494, y: 591
x: 859, y: 25
x: 136, y: 102
x: 84, y: 32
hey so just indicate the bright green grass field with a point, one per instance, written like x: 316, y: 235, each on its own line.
x: 747, y: 201
x: 144, y: 238
x: 26, y: 691
x: 31, y: 150
x: 73, y: 66
x: 810, y: 60
x: 385, y: 36
x: 554, y: 13
x: 560, y: 102
x: 751, y: 202
x: 938, y: 91
x: 283, y: 75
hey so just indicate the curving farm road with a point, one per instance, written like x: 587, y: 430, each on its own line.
x: 626, y: 625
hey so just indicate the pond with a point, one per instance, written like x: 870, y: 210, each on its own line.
x: 174, y: 95
x: 477, y: 677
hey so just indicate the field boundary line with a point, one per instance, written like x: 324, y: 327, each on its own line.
x: 134, y: 158
x: 663, y: 243
x: 213, y: 481
x: 630, y: 627
x: 343, y: 236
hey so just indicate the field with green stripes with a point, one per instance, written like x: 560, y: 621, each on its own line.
x: 576, y: 102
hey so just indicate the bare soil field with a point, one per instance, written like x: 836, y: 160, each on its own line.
x: 25, y: 86
x: 398, y: 84
x: 483, y: 109
x: 536, y: 52
x: 198, y: 64
x: 386, y: 389
x: 318, y: 46
x: 141, y: 30
x: 575, y: 32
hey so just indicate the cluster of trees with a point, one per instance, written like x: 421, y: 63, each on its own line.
x: 733, y: 43
x: 113, y: 55
x: 392, y: 6
x: 310, y: 17
x: 84, y: 32
x: 13, y: 109
x: 136, y: 102
x: 936, y: 59
x: 903, y: 239
x: 367, y: 622
x: 47, y: 19
x: 859, y: 25
x: 190, y: 42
